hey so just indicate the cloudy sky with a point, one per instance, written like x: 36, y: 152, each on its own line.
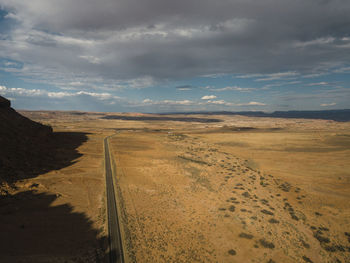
x: 184, y: 55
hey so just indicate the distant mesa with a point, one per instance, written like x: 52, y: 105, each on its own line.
x: 335, y: 115
x: 159, y: 118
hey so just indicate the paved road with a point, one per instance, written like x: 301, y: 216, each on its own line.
x: 115, y: 242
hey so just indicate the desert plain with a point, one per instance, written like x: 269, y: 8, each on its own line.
x: 190, y: 188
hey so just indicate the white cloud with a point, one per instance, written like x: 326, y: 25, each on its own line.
x: 328, y: 104
x: 314, y: 75
x: 59, y: 95
x: 168, y: 102
x: 342, y: 70
x: 214, y: 76
x: 279, y: 75
x: 21, y: 91
x: 235, y: 88
x: 53, y: 94
x: 220, y: 102
x: 251, y: 103
x: 208, y: 87
x: 249, y: 76
x: 91, y: 59
x: 317, y: 41
x: 177, y: 102
x: 141, y: 82
x: 322, y: 83
x: 280, y: 84
x: 208, y: 97
x: 101, y: 96
x: 10, y: 64
x: 76, y: 83
x: 270, y: 77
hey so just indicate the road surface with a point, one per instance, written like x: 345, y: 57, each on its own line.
x: 115, y: 242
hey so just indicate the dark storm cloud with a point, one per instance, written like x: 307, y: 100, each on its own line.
x: 128, y: 39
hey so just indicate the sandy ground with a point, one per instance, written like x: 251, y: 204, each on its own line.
x: 240, y: 190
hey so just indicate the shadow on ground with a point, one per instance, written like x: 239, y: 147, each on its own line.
x: 23, y: 157
x: 39, y: 227
x: 35, y: 229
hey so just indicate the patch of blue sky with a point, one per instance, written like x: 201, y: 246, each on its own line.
x: 11, y: 80
x: 6, y: 23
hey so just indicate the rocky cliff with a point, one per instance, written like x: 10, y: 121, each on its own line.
x: 24, y: 144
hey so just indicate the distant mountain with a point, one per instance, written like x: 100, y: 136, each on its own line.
x: 23, y: 144
x: 157, y: 118
x: 335, y: 115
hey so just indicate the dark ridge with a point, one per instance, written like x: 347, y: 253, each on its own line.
x: 80, y: 113
x: 158, y: 118
x: 29, y: 148
x: 335, y: 115
x: 4, y: 103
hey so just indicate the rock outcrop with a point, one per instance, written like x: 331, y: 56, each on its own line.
x: 24, y: 144
x: 4, y: 103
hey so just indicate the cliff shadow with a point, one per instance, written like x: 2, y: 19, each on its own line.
x: 27, y: 157
x: 35, y: 227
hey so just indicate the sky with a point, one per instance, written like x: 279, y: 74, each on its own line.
x: 174, y: 56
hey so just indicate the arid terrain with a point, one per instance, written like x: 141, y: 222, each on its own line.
x: 255, y: 190
x: 228, y: 189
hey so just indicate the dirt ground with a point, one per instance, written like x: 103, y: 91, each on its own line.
x: 255, y: 190
x: 238, y: 190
